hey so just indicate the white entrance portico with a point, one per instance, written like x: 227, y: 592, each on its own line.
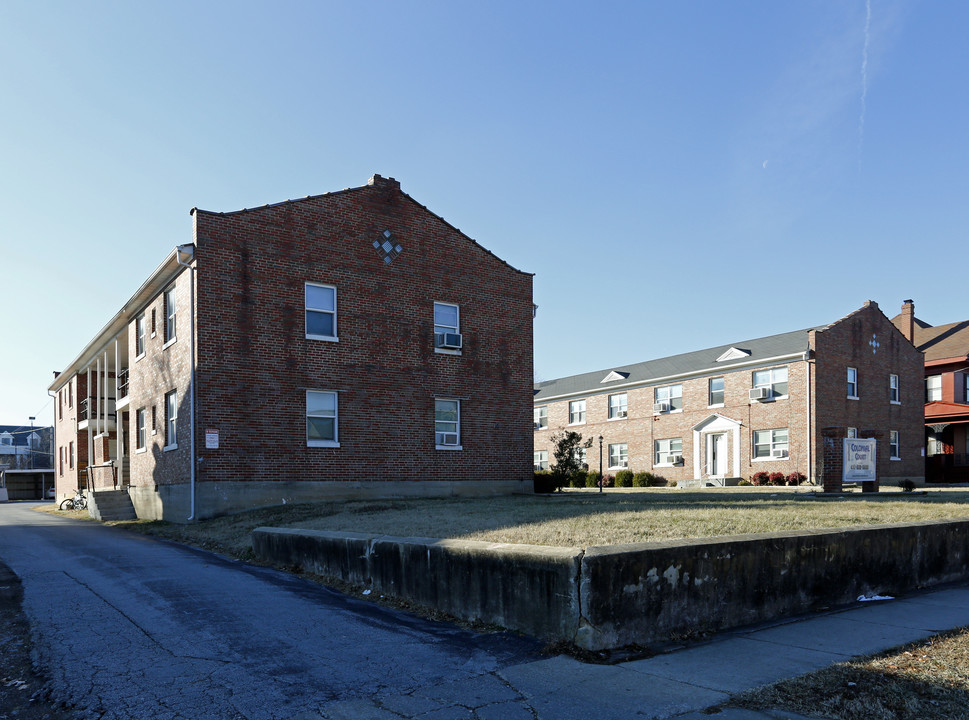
x: 716, y: 448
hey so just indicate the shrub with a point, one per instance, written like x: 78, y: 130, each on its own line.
x: 795, y: 479
x: 657, y: 481
x: 607, y: 481
x: 544, y: 482
x: 759, y: 478
x: 592, y: 479
x: 577, y: 479
x: 624, y: 478
x: 907, y: 485
x: 641, y: 479
x: 777, y: 478
x: 745, y: 483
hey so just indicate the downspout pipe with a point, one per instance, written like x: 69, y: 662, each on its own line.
x: 189, y: 250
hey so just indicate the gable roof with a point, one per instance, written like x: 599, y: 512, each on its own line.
x: 942, y: 341
x: 21, y: 433
x: 762, y: 351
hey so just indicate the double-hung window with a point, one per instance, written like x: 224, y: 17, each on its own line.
x: 852, y: 383
x: 322, y: 420
x: 668, y: 451
x: 893, y: 395
x: 320, y: 312
x: 541, y: 460
x: 447, y: 424
x: 933, y: 388
x: 140, y: 335
x: 576, y: 412
x: 668, y: 398
x: 618, y: 456
x: 770, y: 443
x: 169, y: 302
x: 541, y: 417
x: 893, y: 445
x: 774, y: 379
x: 447, y: 328
x: 171, y: 419
x: 140, y: 429
x: 716, y: 391
x: 617, y: 406
x: 580, y: 456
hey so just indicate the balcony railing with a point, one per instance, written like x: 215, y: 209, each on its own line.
x: 87, y: 409
x: 82, y: 410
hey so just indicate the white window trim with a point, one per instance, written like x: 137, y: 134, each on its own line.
x: 144, y: 338
x: 336, y: 309
x: 609, y: 407
x: 540, y: 428
x: 898, y: 445
x: 585, y: 410
x: 770, y: 458
x: 457, y: 330
x: 896, y: 388
x: 609, y: 455
x: 173, y: 316
x: 144, y: 413
x: 168, y: 422
x: 771, y: 384
x: 460, y: 445
x: 855, y: 383
x: 335, y: 443
x: 668, y: 452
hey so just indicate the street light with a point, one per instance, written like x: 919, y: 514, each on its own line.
x: 600, y: 463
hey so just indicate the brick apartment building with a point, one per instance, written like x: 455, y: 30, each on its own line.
x: 946, y: 350
x: 350, y: 344
x: 716, y: 416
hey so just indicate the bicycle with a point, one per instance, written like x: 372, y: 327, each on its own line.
x: 78, y: 502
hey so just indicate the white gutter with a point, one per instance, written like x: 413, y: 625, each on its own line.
x: 189, y: 250
x: 807, y: 384
x: 679, y: 376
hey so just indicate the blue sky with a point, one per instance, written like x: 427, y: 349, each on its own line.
x: 677, y: 175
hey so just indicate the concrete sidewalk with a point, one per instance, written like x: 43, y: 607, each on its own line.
x: 682, y: 683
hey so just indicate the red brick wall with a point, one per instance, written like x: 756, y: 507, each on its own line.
x: 255, y: 363
x: 848, y: 343
x: 641, y: 427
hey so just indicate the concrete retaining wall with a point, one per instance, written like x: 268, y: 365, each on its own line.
x: 606, y: 597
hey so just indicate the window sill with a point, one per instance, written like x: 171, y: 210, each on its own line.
x: 715, y: 405
x: 574, y: 424
x: 770, y: 459
x: 169, y: 343
x: 323, y: 443
x: 139, y: 357
x: 446, y: 351
x: 448, y: 447
x: 170, y: 447
x: 656, y: 465
x: 617, y: 468
x: 895, y: 402
x: 853, y: 397
x: 140, y: 450
x: 612, y: 419
x: 668, y: 412
x: 324, y: 338
x: 894, y: 458
x: 539, y: 429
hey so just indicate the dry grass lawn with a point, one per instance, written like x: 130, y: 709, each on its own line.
x: 923, y: 681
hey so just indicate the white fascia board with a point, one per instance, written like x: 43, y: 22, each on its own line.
x: 162, y: 275
x: 681, y: 376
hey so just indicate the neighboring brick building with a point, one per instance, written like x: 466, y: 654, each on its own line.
x: 946, y: 350
x: 715, y: 416
x: 351, y: 344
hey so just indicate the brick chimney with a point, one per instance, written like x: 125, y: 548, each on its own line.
x: 907, y: 325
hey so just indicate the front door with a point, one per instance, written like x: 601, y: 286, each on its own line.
x: 718, y: 454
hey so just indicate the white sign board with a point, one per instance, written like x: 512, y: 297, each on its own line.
x: 212, y: 439
x: 859, y: 460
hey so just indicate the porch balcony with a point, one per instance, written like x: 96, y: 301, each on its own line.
x: 87, y: 414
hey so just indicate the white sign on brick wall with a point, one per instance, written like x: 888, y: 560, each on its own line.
x: 859, y: 460
x: 212, y: 439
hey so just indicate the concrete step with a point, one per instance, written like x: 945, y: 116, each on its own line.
x: 110, y: 505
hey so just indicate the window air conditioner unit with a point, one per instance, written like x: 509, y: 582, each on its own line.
x: 676, y: 459
x: 446, y: 438
x: 661, y: 407
x: 621, y: 413
x: 538, y: 426
x: 778, y: 453
x: 759, y: 393
x: 449, y: 341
